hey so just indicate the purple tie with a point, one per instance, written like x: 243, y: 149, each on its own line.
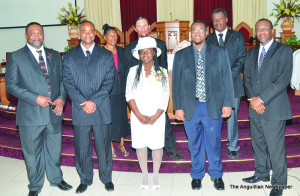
x: 44, y: 70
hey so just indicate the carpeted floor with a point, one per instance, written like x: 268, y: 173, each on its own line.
x: 10, y: 144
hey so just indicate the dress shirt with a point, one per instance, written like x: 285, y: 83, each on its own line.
x: 202, y: 51
x: 224, y: 34
x: 36, y: 55
x: 90, y: 49
x: 267, y: 46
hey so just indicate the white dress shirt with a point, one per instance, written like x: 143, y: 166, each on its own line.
x: 36, y: 55
x: 90, y: 49
x: 224, y: 35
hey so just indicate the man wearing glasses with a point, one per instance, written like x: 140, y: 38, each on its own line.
x: 267, y: 73
x: 202, y: 96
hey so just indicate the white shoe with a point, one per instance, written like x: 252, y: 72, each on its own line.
x: 156, y: 187
x: 144, y: 187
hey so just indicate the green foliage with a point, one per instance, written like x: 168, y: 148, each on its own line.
x: 68, y: 48
x: 292, y: 41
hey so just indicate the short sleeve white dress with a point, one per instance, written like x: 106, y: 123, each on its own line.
x: 149, y: 95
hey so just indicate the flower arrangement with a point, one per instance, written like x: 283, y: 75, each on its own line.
x: 71, y: 17
x: 159, y: 76
x: 286, y: 8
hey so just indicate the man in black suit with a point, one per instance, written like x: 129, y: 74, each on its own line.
x: 202, y: 96
x: 142, y: 28
x: 235, y: 45
x: 88, y: 76
x: 267, y: 73
x: 33, y: 75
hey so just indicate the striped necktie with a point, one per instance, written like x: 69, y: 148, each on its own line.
x: 261, y: 58
x: 44, y: 70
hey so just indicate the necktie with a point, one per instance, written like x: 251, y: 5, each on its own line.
x: 261, y: 58
x: 200, y: 82
x: 44, y: 70
x: 88, y: 54
x: 221, y: 42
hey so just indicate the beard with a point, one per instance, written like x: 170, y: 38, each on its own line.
x: 88, y: 43
x: 198, y: 43
x: 36, y: 46
x: 147, y: 35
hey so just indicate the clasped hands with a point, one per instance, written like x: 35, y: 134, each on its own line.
x: 89, y: 107
x: 257, y: 105
x: 44, y: 101
x: 147, y: 119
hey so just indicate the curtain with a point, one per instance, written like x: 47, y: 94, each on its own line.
x: 131, y: 9
x: 103, y: 11
x: 204, y: 8
x: 248, y: 11
x: 169, y: 10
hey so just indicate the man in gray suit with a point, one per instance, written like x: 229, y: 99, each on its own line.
x: 202, y: 96
x: 267, y: 73
x: 33, y: 75
x: 88, y: 75
x: 235, y: 45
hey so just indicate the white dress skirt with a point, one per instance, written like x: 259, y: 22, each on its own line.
x: 149, y: 95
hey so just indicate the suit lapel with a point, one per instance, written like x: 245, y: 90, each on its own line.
x: 192, y: 63
x: 255, y: 53
x: 80, y: 52
x: 48, y: 60
x: 35, y: 64
x: 214, y: 39
x: 268, y: 55
x: 228, y: 36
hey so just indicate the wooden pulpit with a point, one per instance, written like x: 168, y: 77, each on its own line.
x: 172, y: 32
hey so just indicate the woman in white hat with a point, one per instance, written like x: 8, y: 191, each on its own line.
x: 147, y: 93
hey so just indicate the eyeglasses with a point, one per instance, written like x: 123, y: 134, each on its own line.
x: 264, y: 29
x: 145, y: 52
x: 198, y: 31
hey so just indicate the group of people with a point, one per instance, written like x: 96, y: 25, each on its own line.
x: 101, y: 81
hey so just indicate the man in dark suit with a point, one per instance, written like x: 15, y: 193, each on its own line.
x: 267, y: 73
x: 235, y: 45
x: 88, y: 75
x: 202, y: 96
x: 33, y: 75
x: 142, y: 28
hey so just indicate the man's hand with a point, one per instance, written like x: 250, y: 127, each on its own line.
x: 257, y: 105
x: 89, y: 107
x: 179, y: 115
x: 260, y: 109
x: 59, y: 106
x: 43, y: 101
x: 226, y: 112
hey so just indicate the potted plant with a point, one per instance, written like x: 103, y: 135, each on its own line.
x: 287, y: 10
x: 71, y: 19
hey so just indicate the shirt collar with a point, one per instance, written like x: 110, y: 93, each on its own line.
x: 34, y: 50
x: 267, y: 46
x: 201, y: 50
x: 90, y: 49
x: 223, y: 32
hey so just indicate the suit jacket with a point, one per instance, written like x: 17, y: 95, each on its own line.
x: 218, y: 82
x: 130, y: 61
x: 24, y: 79
x: 89, y: 79
x: 120, y: 74
x: 236, y: 49
x: 270, y: 84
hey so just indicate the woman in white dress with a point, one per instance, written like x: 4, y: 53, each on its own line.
x: 147, y: 93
